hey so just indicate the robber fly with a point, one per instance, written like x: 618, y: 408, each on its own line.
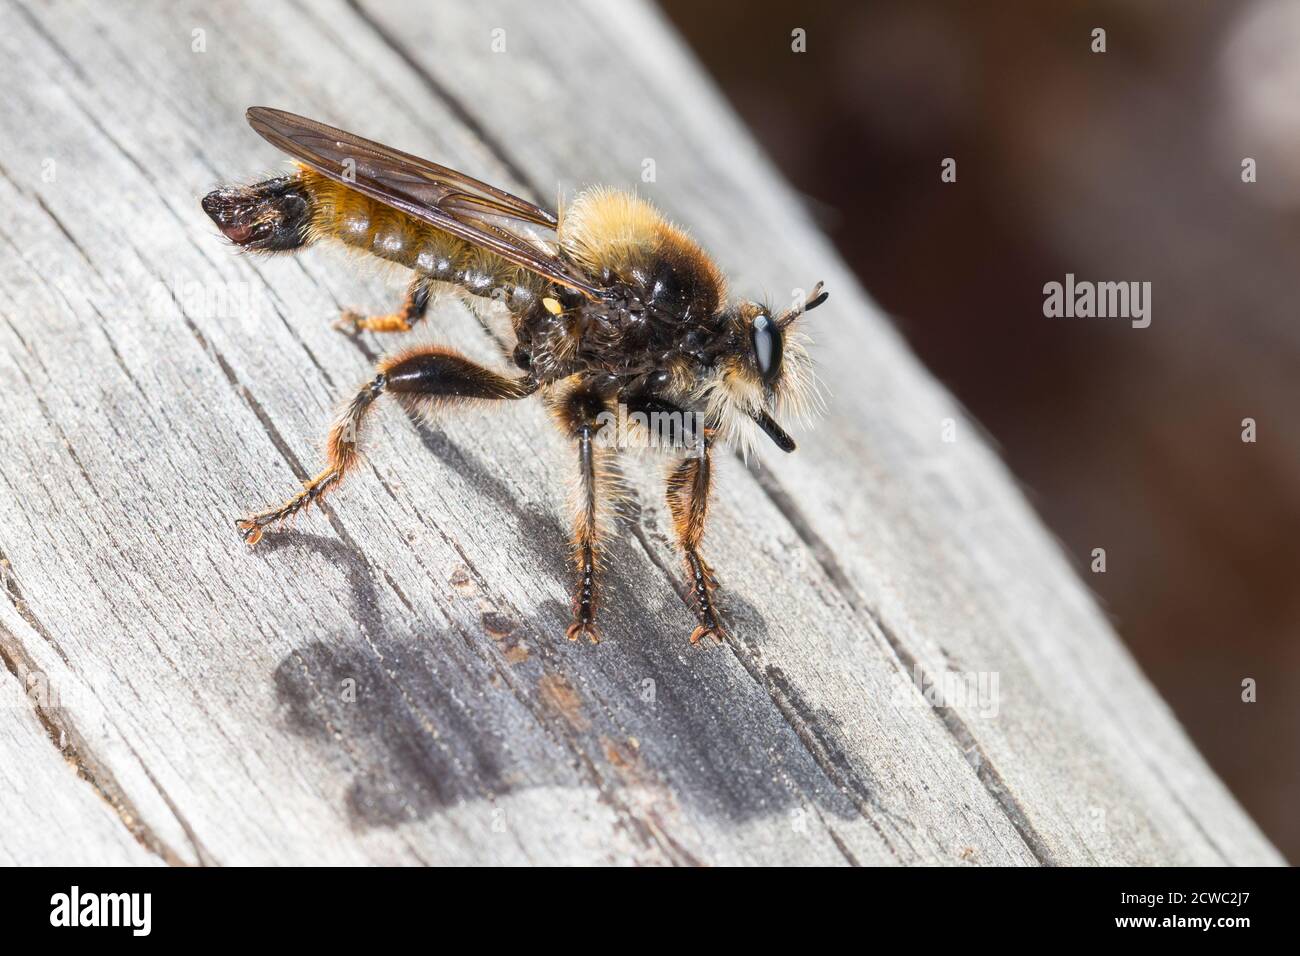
x: 609, y: 305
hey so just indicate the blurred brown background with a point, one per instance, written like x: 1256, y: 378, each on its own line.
x: 1122, y: 166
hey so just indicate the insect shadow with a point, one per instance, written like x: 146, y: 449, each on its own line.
x: 339, y: 692
x: 402, y: 710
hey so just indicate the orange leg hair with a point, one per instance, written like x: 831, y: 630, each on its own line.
x: 419, y: 378
x: 408, y: 313
x: 689, y: 483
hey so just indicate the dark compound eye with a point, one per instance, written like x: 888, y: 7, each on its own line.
x: 766, y: 340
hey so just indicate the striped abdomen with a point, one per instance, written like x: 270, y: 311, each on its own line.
x: 364, y: 224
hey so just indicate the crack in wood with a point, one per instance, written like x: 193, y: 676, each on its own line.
x: 457, y: 109
x: 67, y: 739
x: 798, y: 722
x: 972, y: 752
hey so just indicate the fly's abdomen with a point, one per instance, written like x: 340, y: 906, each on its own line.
x: 273, y: 216
x: 369, y: 226
x: 359, y: 222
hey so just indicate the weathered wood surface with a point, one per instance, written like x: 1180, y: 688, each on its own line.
x: 198, y: 691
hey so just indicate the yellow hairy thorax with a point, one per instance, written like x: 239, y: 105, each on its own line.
x: 606, y: 228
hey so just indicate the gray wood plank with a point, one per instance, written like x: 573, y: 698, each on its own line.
x: 390, y: 681
x: 57, y: 812
x: 890, y: 509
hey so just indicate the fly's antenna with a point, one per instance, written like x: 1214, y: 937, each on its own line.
x: 815, y: 298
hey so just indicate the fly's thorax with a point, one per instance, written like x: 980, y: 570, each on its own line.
x: 659, y: 310
x: 623, y: 242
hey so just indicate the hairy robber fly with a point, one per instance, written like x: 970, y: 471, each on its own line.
x: 609, y: 305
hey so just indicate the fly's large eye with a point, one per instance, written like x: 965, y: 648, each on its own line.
x: 767, y: 343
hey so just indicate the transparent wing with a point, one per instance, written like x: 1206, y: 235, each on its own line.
x: 471, y: 210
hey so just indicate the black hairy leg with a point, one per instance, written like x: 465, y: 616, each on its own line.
x: 579, y: 414
x: 408, y: 313
x: 421, y: 379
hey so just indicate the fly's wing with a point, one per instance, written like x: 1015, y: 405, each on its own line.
x: 482, y: 215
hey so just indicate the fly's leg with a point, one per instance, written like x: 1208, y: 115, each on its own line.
x: 408, y: 313
x: 689, y: 484
x: 420, y: 379
x: 595, y: 495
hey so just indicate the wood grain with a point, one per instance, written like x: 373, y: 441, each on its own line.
x: 389, y: 682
